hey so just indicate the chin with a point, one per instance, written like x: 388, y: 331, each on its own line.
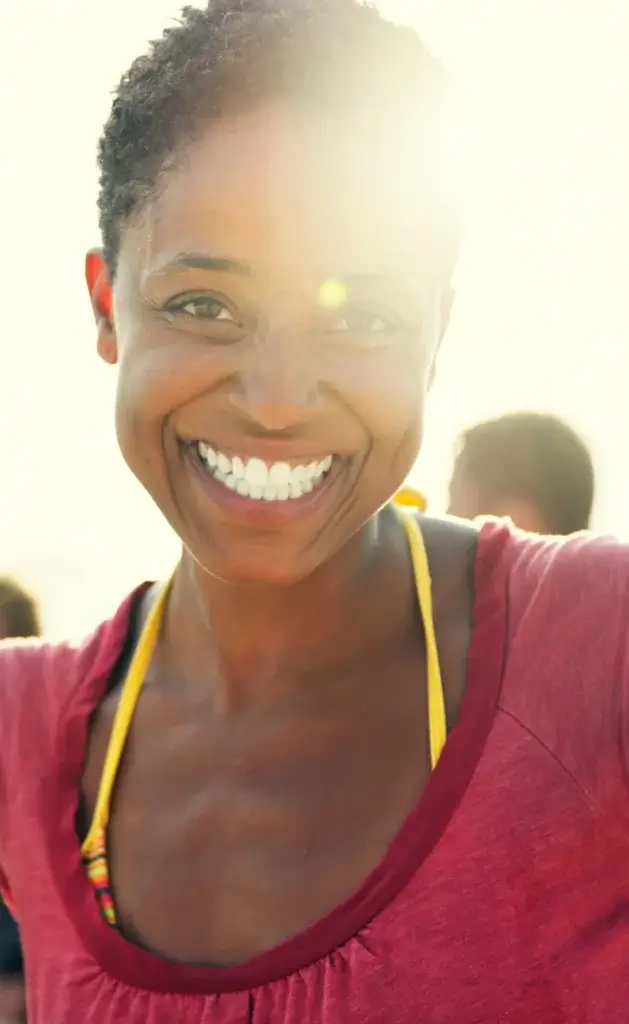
x: 258, y: 566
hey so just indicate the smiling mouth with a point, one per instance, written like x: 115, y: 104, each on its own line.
x: 263, y: 481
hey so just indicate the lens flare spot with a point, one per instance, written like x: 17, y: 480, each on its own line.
x: 332, y: 294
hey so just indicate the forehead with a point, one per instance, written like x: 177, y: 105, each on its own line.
x: 276, y: 187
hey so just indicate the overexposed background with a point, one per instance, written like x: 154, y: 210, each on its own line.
x: 542, y: 321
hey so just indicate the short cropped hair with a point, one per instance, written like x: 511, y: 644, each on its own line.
x: 19, y: 614
x: 535, y: 458
x: 339, y: 56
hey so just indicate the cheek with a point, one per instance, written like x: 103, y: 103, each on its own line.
x: 158, y: 374
x: 387, y: 390
x: 140, y: 404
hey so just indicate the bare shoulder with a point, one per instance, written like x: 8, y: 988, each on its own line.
x: 586, y: 564
x: 451, y: 547
x: 564, y: 606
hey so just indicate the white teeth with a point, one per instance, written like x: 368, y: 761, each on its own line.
x: 224, y: 464
x: 280, y: 474
x: 256, y: 473
x: 253, y: 478
x: 296, y: 489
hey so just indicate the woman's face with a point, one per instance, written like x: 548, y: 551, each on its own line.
x: 275, y: 333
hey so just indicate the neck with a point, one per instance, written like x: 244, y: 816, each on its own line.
x: 254, y: 640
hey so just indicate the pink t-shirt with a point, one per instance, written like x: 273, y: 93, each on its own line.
x: 505, y: 896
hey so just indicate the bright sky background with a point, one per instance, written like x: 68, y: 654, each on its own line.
x: 542, y: 320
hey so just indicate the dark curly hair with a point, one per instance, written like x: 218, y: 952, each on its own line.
x: 336, y: 56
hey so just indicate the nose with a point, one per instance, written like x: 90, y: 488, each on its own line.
x: 277, y: 388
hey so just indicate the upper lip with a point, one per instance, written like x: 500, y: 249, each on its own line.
x: 268, y: 451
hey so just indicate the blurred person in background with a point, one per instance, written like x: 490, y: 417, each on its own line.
x: 350, y: 763
x: 19, y: 617
x: 19, y: 611
x: 530, y: 467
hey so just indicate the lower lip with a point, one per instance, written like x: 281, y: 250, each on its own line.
x: 255, y: 511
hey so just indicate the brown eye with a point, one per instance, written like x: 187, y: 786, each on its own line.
x: 202, y: 307
x: 359, y: 322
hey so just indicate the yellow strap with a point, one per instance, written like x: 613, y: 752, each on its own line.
x: 124, y: 713
x: 145, y: 649
x: 437, y: 723
x: 408, y: 497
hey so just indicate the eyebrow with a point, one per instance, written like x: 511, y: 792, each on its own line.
x: 373, y: 278
x: 200, y: 261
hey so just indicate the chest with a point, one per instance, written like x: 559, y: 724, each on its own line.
x: 487, y: 929
x: 227, y: 837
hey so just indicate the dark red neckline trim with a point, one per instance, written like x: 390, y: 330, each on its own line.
x: 422, y: 830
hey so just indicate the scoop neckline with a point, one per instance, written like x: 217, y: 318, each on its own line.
x: 140, y: 968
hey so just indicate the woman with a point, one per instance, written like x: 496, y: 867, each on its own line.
x: 298, y: 784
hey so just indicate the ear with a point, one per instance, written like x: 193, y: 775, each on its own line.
x: 522, y: 514
x: 99, y: 288
x: 445, y: 312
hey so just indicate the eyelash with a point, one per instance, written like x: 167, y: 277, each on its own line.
x: 385, y: 326
x: 179, y: 304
